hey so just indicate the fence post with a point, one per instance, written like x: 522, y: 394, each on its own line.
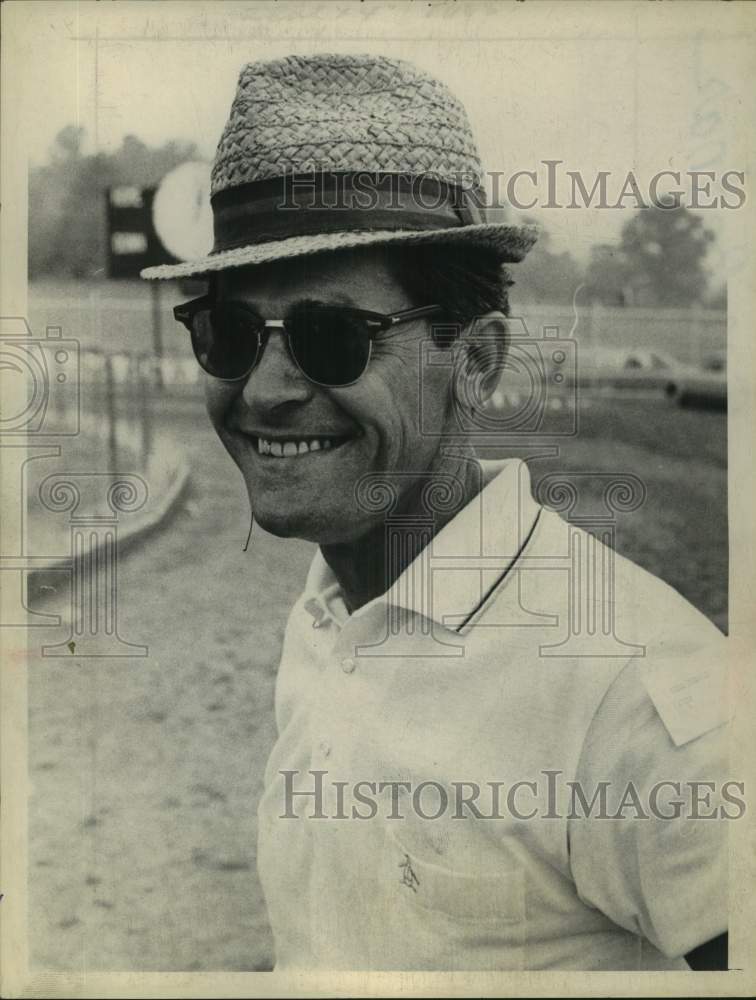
x: 94, y: 398
x: 592, y: 314
x: 699, y: 329
x: 145, y: 410
x: 110, y: 409
x: 157, y: 331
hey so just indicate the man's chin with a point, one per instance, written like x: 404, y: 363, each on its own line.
x: 291, y: 524
x: 306, y: 525
x: 280, y: 527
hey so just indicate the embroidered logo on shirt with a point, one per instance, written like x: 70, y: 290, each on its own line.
x: 408, y: 876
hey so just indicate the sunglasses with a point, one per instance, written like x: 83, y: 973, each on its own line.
x: 331, y: 345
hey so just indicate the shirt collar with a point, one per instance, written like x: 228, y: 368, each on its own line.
x: 468, y: 557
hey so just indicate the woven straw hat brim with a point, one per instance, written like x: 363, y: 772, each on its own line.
x: 512, y: 243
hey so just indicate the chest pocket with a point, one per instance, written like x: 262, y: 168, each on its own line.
x: 449, y: 918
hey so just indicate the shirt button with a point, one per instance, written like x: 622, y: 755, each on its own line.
x: 348, y: 665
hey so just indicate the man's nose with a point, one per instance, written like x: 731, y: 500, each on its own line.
x: 276, y: 379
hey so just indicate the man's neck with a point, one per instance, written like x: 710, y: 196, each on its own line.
x: 364, y: 568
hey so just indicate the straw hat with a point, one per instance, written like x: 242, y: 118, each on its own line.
x: 322, y: 152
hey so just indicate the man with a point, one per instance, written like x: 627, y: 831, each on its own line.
x: 468, y: 774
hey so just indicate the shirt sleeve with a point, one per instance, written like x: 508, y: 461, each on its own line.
x: 652, y: 854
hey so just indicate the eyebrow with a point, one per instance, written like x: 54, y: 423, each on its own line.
x: 339, y: 299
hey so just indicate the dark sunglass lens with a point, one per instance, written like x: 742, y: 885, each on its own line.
x: 224, y: 340
x: 331, y: 346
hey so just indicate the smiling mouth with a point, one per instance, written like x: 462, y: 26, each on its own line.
x: 296, y: 447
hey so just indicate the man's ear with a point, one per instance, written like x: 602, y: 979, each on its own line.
x: 480, y: 360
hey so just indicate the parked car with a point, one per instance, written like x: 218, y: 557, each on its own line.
x: 627, y: 368
x: 703, y: 387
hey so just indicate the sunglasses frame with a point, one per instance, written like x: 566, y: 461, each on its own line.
x: 376, y: 323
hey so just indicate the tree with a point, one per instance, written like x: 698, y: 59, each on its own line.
x: 67, y: 222
x: 659, y: 261
x: 68, y: 143
x: 665, y: 250
x: 545, y: 276
x: 608, y: 276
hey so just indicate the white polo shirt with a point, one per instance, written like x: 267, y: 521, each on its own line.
x: 515, y: 655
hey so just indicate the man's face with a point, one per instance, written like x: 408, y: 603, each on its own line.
x: 371, y: 426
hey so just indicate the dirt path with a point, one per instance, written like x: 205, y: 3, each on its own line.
x: 146, y: 772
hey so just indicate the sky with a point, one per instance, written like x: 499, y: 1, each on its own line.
x: 599, y: 87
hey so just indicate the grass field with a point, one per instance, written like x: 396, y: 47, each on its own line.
x: 680, y: 531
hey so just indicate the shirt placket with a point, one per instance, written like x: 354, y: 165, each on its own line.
x: 329, y: 615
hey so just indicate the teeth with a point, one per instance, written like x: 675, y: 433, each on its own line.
x: 288, y: 449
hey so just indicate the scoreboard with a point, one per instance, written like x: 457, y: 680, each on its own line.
x: 166, y: 224
x: 133, y: 242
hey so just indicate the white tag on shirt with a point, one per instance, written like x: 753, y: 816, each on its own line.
x: 689, y: 693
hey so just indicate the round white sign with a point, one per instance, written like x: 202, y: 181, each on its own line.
x: 181, y: 211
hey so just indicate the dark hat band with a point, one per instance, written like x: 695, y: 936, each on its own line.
x: 315, y: 204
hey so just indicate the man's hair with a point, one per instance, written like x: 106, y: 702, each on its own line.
x: 466, y: 281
